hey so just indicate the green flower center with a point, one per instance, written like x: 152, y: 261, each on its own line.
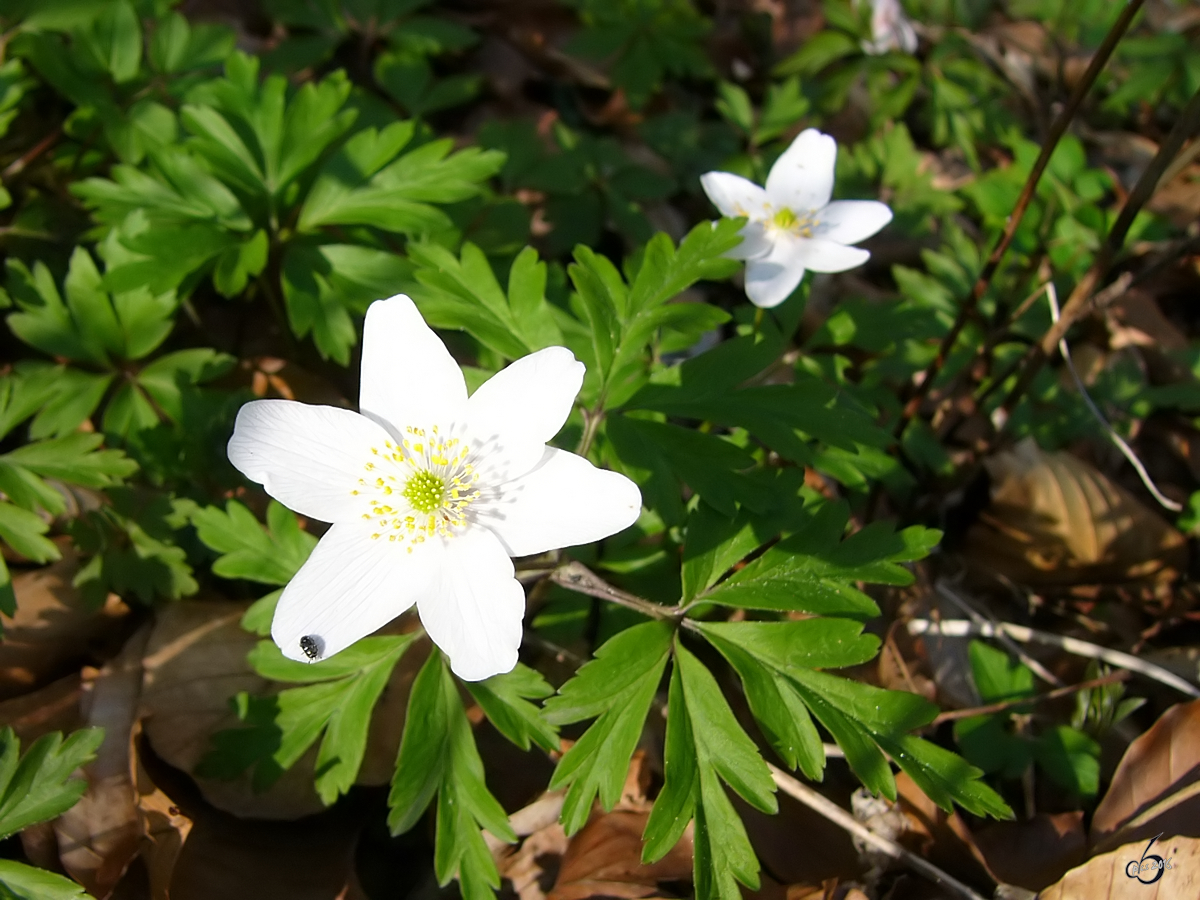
x: 785, y: 218
x: 425, y: 491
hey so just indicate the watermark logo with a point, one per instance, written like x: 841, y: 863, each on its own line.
x: 1150, y: 864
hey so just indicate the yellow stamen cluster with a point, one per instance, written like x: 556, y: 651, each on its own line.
x: 422, y: 487
x: 785, y: 219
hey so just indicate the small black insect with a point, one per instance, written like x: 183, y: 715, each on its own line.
x: 311, y: 645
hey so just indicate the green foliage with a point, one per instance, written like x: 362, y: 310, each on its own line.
x: 35, y: 477
x: 590, y: 182
x: 21, y: 882
x: 438, y: 756
x: 616, y: 689
x: 336, y: 708
x: 35, y: 786
x: 643, y: 41
x: 706, y: 746
x: 264, y: 177
x: 1004, y: 742
x: 176, y: 214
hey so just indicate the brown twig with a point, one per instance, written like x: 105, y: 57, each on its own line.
x: 1057, y: 129
x: 993, y: 708
x: 1078, y: 303
x: 844, y: 820
x: 575, y: 576
x: 18, y: 165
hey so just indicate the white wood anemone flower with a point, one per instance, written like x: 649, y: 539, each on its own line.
x: 429, y: 492
x: 793, y: 225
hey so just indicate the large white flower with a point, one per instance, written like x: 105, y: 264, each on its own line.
x: 429, y: 492
x: 793, y: 225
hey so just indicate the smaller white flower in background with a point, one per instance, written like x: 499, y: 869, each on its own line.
x: 793, y: 225
x: 429, y: 492
x: 891, y: 29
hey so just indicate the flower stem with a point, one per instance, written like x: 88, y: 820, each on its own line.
x: 575, y: 576
x: 591, y: 422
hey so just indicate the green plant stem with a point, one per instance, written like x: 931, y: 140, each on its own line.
x: 591, y: 423
x: 983, y: 282
x: 575, y: 576
x: 1078, y: 303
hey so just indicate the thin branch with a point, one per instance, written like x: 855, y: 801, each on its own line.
x: 964, y: 628
x: 947, y: 593
x: 575, y: 576
x: 18, y: 165
x: 1124, y: 447
x: 993, y: 708
x: 844, y: 820
x: 1057, y: 129
x: 1078, y: 303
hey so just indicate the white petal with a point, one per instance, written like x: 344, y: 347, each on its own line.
x: 565, y: 501
x: 851, y: 221
x: 771, y: 279
x: 309, y: 458
x: 349, y: 587
x: 408, y: 375
x: 734, y: 196
x: 826, y: 256
x: 802, y: 179
x: 756, y: 242
x: 474, y: 607
x: 516, y: 411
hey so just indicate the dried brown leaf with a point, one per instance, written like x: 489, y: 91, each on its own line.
x: 1107, y: 877
x: 98, y: 837
x: 195, y: 662
x: 1157, y: 784
x: 1036, y: 852
x: 1055, y: 520
x: 605, y: 860
x: 54, y: 630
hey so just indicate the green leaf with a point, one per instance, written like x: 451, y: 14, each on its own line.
x: 464, y: 294
x: 397, y: 197
x: 117, y: 37
x: 324, y: 284
x: 37, y: 786
x: 617, y: 686
x: 505, y: 700
x: 21, y: 882
x: 999, y: 677
x: 705, y: 746
x: 438, y: 755
x: 814, y: 643
x: 708, y: 464
x: 720, y: 741
x: 815, y: 572
x: 270, y: 555
x: 283, y: 727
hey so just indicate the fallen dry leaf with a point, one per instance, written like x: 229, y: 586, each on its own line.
x: 1107, y: 877
x: 98, y: 837
x: 605, y: 860
x: 54, y: 631
x: 1055, y: 520
x: 196, y: 661
x: 1157, y: 784
x: 1036, y: 852
x: 254, y: 860
x: 52, y: 708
